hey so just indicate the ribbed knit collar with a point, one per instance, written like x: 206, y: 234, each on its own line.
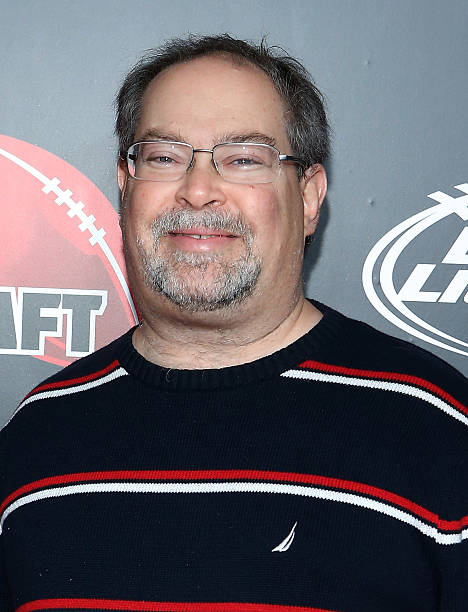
x: 312, y: 345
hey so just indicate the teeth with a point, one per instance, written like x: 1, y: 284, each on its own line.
x: 200, y: 236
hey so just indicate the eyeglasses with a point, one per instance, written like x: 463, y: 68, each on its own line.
x: 236, y: 162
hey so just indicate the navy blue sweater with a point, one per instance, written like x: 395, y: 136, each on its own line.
x: 331, y: 475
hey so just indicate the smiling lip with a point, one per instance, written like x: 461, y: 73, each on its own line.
x: 201, y: 239
x: 201, y: 233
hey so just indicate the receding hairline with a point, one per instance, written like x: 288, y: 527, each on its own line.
x: 226, y: 57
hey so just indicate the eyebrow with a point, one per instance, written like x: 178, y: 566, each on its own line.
x: 155, y: 134
x: 249, y: 137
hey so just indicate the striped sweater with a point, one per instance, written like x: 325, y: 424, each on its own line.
x: 329, y: 476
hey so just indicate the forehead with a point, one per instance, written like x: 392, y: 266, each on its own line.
x: 206, y: 98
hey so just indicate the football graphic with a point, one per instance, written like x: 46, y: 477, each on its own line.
x: 63, y: 289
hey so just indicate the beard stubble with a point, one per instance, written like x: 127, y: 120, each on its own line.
x: 200, y: 282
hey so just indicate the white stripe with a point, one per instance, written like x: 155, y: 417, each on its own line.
x: 239, y: 487
x: 383, y: 385
x: 69, y: 390
x: 20, y: 162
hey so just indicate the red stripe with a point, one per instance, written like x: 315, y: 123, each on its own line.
x: 61, y: 384
x: 244, y: 475
x: 162, y: 606
x: 405, y: 378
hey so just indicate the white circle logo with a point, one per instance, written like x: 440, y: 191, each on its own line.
x: 427, y: 289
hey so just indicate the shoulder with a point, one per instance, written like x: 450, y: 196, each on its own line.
x: 105, y: 358
x: 389, y: 353
x: 98, y: 367
x: 101, y: 358
x: 367, y: 353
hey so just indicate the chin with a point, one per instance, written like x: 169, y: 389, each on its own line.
x: 202, y: 284
x: 205, y: 297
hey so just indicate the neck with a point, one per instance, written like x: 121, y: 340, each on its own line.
x: 210, y: 341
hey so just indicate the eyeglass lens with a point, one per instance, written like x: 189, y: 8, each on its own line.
x: 168, y: 161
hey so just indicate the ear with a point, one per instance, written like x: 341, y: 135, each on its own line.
x: 122, y: 178
x: 313, y: 187
x: 122, y: 175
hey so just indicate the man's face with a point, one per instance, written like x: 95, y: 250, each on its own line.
x: 201, y: 241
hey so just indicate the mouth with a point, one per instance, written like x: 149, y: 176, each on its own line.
x: 211, y: 233
x: 201, y: 233
x: 200, y: 238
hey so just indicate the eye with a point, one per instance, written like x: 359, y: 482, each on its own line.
x: 246, y: 161
x: 243, y: 161
x: 161, y: 155
x: 160, y: 160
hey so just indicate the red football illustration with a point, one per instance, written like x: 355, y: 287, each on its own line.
x: 63, y: 289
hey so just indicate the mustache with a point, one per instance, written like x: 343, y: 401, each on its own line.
x: 183, y: 219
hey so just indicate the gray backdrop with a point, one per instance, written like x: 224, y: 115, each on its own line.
x: 394, y: 73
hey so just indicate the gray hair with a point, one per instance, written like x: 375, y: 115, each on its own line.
x: 306, y: 120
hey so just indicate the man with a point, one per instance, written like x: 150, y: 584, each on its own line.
x: 243, y: 448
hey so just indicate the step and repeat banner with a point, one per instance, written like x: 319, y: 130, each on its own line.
x: 392, y: 244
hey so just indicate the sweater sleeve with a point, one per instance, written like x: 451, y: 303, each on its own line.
x: 4, y: 591
x: 454, y: 557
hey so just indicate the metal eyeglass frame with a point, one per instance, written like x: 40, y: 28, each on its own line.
x: 125, y: 156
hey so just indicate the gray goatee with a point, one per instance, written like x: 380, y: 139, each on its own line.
x: 225, y: 282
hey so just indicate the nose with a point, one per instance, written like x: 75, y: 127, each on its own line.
x: 201, y: 185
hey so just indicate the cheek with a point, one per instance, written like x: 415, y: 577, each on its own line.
x: 285, y: 223
x: 135, y: 216
x: 142, y: 203
x: 269, y: 218
x: 265, y: 201
x: 141, y: 197
x: 277, y: 212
